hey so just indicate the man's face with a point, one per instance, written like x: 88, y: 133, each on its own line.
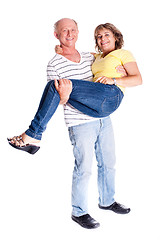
x: 67, y: 33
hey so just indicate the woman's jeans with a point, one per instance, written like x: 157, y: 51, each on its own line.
x: 94, y: 99
x: 89, y: 139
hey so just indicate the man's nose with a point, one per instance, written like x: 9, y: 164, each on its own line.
x: 69, y: 33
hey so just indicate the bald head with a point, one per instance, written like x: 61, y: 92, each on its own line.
x: 66, y: 31
x: 64, y: 21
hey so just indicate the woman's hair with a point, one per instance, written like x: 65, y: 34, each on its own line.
x: 117, y: 34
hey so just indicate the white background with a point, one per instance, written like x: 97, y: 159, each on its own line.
x: 35, y: 191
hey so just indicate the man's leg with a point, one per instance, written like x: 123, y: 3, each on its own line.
x: 83, y: 139
x: 105, y: 154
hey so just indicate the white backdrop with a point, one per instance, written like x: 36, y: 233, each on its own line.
x: 35, y: 190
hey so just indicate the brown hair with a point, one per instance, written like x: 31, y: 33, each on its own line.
x: 117, y: 34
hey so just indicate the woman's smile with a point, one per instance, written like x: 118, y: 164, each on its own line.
x: 106, y: 40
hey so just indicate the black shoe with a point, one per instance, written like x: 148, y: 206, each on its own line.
x: 86, y: 221
x: 117, y: 208
x: 32, y: 149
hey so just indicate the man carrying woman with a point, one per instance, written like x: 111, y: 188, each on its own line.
x: 90, y: 128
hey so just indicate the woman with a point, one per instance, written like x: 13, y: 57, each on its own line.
x: 98, y: 99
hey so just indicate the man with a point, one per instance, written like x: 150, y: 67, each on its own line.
x: 87, y: 134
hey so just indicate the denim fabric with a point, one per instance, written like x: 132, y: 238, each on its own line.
x: 48, y: 105
x: 88, y: 139
x: 94, y: 99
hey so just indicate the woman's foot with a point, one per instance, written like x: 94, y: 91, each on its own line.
x: 25, y: 143
x: 23, y: 140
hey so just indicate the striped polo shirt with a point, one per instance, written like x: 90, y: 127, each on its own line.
x: 60, y: 67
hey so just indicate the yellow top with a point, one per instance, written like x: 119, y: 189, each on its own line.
x: 107, y: 66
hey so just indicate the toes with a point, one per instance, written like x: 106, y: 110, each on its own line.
x: 17, y: 141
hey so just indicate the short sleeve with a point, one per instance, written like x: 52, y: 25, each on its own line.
x: 127, y: 57
x: 51, y: 73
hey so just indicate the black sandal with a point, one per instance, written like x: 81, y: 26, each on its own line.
x: 32, y: 149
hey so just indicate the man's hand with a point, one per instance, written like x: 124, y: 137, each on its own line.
x: 105, y: 80
x: 64, y: 88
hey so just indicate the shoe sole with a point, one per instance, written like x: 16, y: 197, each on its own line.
x: 32, y: 149
x: 84, y: 226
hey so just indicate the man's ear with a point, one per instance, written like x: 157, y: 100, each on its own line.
x: 56, y: 34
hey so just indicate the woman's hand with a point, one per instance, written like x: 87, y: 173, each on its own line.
x: 58, y: 49
x: 121, y: 69
x: 105, y: 80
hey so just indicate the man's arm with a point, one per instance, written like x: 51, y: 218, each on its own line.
x: 63, y: 86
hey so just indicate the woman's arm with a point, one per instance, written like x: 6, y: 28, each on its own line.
x: 94, y: 54
x: 132, y: 79
x: 59, y: 50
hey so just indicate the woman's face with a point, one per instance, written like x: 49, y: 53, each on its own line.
x: 106, y: 40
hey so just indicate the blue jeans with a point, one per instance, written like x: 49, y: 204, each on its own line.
x: 94, y: 99
x: 89, y: 138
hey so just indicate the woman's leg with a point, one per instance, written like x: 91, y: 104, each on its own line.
x: 94, y: 99
x: 47, y: 107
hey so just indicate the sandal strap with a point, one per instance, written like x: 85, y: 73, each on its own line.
x: 18, y: 139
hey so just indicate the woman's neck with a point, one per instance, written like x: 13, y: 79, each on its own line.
x: 107, y: 52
